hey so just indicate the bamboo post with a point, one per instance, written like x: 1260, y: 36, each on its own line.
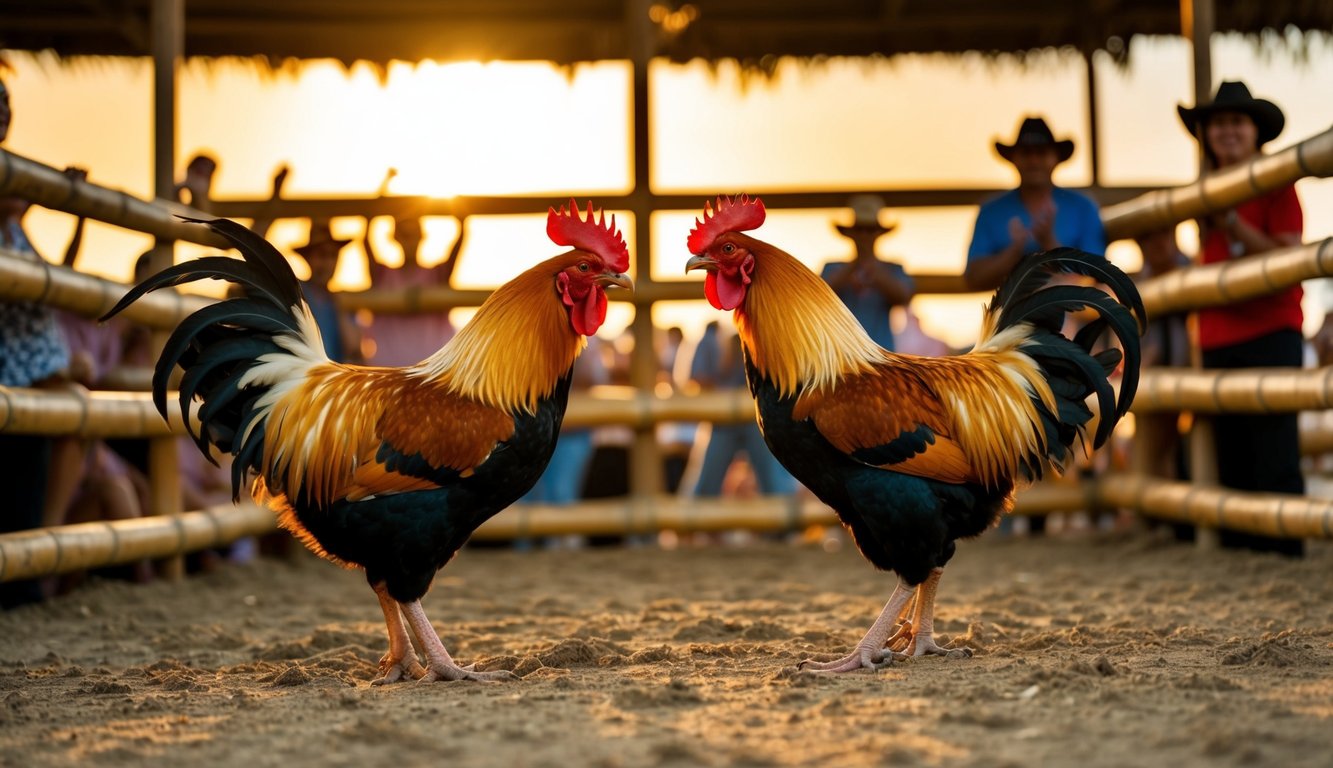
x: 89, y: 296
x: 1220, y: 190
x: 50, y: 188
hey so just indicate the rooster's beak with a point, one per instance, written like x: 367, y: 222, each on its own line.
x: 618, y: 279
x: 700, y: 262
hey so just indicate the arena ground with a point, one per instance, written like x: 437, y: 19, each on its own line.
x: 1120, y: 650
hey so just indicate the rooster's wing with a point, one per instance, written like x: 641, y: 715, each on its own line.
x: 358, y: 432
x: 957, y: 420
x: 892, y: 419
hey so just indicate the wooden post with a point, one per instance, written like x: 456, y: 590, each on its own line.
x: 646, y: 479
x: 1197, y: 18
x: 168, y: 24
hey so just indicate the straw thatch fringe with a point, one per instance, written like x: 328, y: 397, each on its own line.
x: 1219, y: 191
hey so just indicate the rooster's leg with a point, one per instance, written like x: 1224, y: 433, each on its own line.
x: 400, y: 661
x: 902, y: 635
x: 439, y: 665
x: 922, y: 625
x: 870, y: 652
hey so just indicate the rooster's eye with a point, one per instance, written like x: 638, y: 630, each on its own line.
x: 583, y: 266
x: 729, y: 248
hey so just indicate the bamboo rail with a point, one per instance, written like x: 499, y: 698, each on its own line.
x: 48, y: 551
x: 1237, y: 280
x: 1218, y: 191
x: 50, y: 188
x: 1243, y: 390
x: 74, y: 410
x: 1267, y: 514
x: 86, y: 295
x: 103, y: 413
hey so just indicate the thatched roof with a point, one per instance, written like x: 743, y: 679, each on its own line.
x: 569, y: 31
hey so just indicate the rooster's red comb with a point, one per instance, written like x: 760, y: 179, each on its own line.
x: 738, y: 215
x: 565, y: 227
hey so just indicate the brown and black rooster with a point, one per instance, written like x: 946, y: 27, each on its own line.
x: 911, y: 452
x: 388, y: 469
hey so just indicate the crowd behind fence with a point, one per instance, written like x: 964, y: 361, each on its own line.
x: 130, y: 413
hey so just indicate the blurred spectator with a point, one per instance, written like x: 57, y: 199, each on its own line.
x: 32, y: 354
x: 869, y: 287
x: 1255, y: 452
x: 1166, y: 341
x: 718, y: 364
x: 562, y: 482
x: 913, y: 339
x: 195, y: 189
x: 407, y: 339
x: 342, y: 342
x: 1037, y: 216
x: 676, y: 438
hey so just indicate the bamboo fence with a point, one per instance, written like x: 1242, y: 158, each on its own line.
x: 89, y: 296
x: 50, y: 188
x: 48, y: 551
x: 77, y: 412
x: 1219, y: 191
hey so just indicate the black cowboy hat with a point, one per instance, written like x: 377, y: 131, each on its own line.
x: 1233, y: 96
x: 320, y: 234
x: 865, y: 216
x: 1035, y: 133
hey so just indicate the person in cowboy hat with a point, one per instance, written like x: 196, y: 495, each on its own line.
x: 342, y: 342
x: 1036, y: 216
x: 868, y: 286
x: 1255, y: 452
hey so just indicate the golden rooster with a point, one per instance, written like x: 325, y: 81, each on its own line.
x: 388, y: 469
x: 913, y: 452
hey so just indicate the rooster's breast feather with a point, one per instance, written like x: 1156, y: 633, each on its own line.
x: 349, y: 432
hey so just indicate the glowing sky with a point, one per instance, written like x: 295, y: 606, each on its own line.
x: 917, y: 121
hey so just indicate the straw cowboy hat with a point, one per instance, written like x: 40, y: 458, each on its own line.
x: 320, y: 235
x: 1233, y: 96
x: 1034, y: 132
x: 865, y: 216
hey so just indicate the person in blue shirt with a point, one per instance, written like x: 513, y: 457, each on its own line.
x: 869, y: 287
x: 1037, y: 216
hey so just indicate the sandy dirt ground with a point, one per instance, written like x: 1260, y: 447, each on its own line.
x: 1124, y: 651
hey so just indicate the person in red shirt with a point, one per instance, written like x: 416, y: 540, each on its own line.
x: 1255, y: 452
